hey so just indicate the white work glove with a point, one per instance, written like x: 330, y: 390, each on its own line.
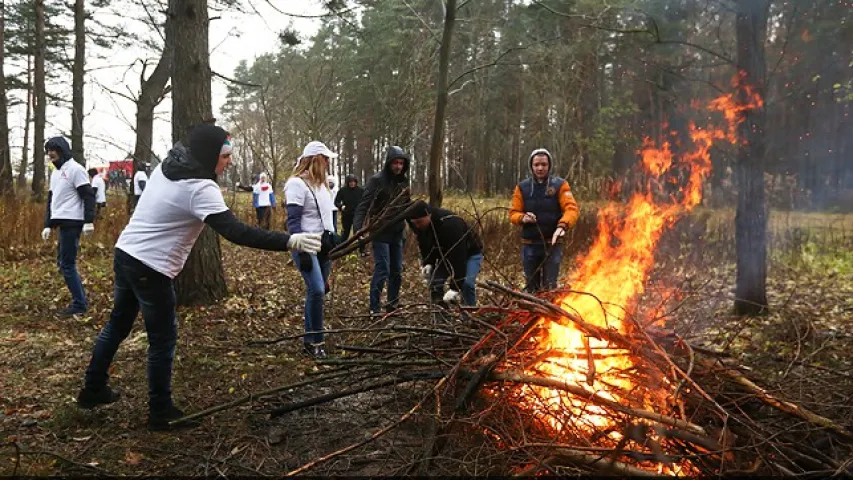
x: 529, y: 217
x: 305, y: 242
x: 45, y: 234
x: 426, y: 272
x: 451, y: 296
x: 88, y: 228
x: 558, y: 234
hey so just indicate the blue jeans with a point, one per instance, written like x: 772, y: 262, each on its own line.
x: 387, y: 266
x: 139, y: 287
x: 66, y: 260
x: 469, y: 293
x: 541, y: 266
x: 315, y: 285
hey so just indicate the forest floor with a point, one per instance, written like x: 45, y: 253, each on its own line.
x: 799, y: 351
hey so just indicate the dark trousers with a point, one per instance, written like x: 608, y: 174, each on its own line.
x: 387, y: 266
x: 66, y: 260
x: 541, y: 266
x: 138, y: 287
x: 346, y: 228
x: 263, y: 214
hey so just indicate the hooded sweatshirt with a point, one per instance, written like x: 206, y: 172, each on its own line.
x: 381, y: 190
x: 347, y: 199
x: 446, y: 244
x: 182, y: 196
x: 70, y: 200
x: 550, y: 200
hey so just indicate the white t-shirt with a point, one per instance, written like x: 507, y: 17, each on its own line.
x: 264, y: 193
x: 140, y: 176
x: 334, y: 193
x: 296, y: 192
x: 98, y: 182
x: 65, y: 202
x: 168, y: 220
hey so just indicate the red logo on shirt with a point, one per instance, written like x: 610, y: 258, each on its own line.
x: 265, y: 188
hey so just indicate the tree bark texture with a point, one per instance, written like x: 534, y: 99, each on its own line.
x: 6, y: 185
x: 40, y: 98
x: 202, y: 281
x: 436, y: 149
x: 751, y: 216
x: 78, y: 81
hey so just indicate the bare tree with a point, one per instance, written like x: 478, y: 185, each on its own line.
x: 5, y: 155
x: 40, y: 97
x: 78, y: 80
x: 437, y: 147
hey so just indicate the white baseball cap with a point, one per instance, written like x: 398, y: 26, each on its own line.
x: 316, y: 148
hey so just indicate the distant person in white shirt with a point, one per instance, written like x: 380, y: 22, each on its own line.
x: 140, y: 179
x: 263, y: 199
x: 100, y: 188
x: 309, y: 209
x: 332, y: 182
x: 182, y: 197
x: 71, y: 209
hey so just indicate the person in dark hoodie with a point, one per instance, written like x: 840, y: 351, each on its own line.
x: 70, y: 209
x: 347, y: 201
x: 385, y: 195
x: 545, y: 208
x: 183, y: 197
x: 450, y: 249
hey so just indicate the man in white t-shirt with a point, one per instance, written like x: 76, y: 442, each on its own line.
x: 100, y: 188
x: 70, y: 209
x: 263, y: 199
x: 140, y: 179
x: 182, y: 198
x: 332, y: 183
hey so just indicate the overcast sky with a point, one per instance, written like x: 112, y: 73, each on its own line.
x: 108, y: 125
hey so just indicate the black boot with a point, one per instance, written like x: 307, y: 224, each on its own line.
x: 158, y: 421
x: 89, y: 398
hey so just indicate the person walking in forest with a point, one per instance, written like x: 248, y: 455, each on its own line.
x: 545, y: 208
x: 71, y: 210
x: 309, y: 209
x: 182, y: 197
x: 389, y: 186
x: 140, y: 180
x: 332, y: 183
x: 347, y: 201
x: 99, y: 186
x: 450, y: 250
x: 263, y: 199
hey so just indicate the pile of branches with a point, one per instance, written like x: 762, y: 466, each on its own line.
x: 470, y: 377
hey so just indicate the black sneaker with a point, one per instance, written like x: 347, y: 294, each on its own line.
x: 70, y: 312
x: 89, y: 399
x: 307, y: 349
x: 159, y: 421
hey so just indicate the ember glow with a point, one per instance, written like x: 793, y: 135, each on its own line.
x: 612, y: 276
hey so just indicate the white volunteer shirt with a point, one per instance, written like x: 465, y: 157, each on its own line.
x: 140, y: 176
x: 264, y: 194
x: 98, y: 182
x: 296, y: 192
x: 334, y: 193
x: 168, y: 220
x: 65, y: 202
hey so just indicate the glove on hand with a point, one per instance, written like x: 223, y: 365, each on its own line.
x: 88, y: 228
x: 305, y: 242
x: 45, y: 234
x: 452, y: 296
x: 426, y: 273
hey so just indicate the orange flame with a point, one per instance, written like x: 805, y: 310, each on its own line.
x: 613, y: 274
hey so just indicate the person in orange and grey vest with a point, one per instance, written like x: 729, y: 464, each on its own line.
x: 545, y: 208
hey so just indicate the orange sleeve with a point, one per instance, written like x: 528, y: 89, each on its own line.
x: 516, y: 210
x: 569, y: 206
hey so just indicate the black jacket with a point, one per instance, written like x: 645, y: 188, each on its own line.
x: 347, y: 200
x: 447, y: 243
x: 380, y: 190
x: 84, y: 191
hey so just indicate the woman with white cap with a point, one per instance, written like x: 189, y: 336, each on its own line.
x: 309, y: 210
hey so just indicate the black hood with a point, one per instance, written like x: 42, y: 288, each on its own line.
x: 350, y: 178
x: 393, y: 153
x: 61, y: 145
x: 200, y: 159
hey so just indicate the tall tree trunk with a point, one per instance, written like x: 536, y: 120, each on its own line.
x: 437, y: 147
x: 6, y: 185
x: 751, y: 217
x: 77, y: 81
x: 40, y: 98
x: 25, y: 150
x: 151, y: 93
x: 202, y: 280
